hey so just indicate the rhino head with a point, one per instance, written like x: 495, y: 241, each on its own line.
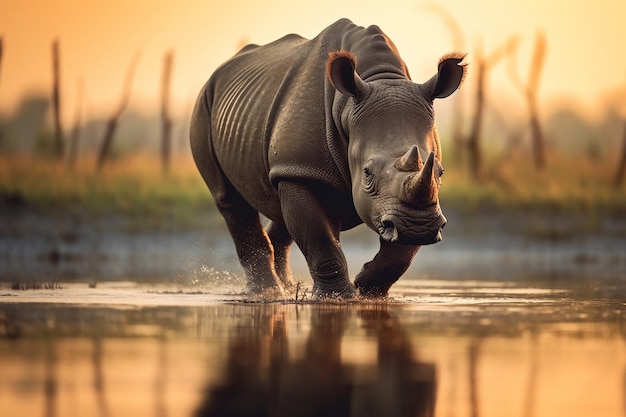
x: 394, y: 154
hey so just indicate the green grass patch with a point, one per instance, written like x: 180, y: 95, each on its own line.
x: 571, y: 184
x: 135, y: 187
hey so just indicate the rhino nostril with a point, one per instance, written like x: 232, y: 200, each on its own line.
x: 388, y: 231
x: 439, y: 238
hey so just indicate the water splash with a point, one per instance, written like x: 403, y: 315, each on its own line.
x: 213, y: 280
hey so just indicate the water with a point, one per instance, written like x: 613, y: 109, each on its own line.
x: 437, y: 347
x: 155, y: 323
x: 493, y: 246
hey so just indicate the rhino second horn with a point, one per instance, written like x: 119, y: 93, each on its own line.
x: 410, y: 161
x: 422, y: 187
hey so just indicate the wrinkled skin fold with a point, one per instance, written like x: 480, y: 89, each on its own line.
x: 411, y: 226
x: 320, y: 136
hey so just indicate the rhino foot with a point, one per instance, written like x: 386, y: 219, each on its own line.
x: 270, y: 286
x: 267, y: 294
x: 371, y: 283
x: 289, y: 285
x: 334, y: 292
x: 373, y: 289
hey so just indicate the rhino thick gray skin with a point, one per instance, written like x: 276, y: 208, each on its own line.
x: 320, y: 136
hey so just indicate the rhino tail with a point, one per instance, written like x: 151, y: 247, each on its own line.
x: 200, y: 134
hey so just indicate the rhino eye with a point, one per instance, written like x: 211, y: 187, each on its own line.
x: 368, y: 178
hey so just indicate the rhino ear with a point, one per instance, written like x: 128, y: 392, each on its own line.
x: 341, y: 71
x: 450, y: 75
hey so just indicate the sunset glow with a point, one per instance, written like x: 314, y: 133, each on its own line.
x: 98, y: 40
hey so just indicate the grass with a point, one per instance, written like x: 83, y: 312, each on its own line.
x: 571, y: 184
x: 135, y: 186
x: 35, y: 285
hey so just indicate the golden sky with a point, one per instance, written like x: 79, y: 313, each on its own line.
x: 98, y: 39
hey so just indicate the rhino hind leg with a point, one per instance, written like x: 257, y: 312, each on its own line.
x: 378, y: 275
x: 281, y: 242
x: 254, y: 248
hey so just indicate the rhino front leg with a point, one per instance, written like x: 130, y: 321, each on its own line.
x: 315, y: 229
x: 378, y: 275
x: 281, y: 241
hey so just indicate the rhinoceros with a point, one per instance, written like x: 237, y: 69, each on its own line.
x: 320, y: 136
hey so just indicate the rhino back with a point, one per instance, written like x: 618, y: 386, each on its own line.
x: 268, y: 115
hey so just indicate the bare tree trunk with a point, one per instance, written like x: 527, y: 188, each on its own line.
x: 621, y: 168
x: 166, y: 122
x: 107, y: 139
x: 483, y: 64
x: 75, y: 136
x: 529, y: 90
x: 111, y: 126
x: 533, y: 87
x: 473, y: 140
x: 539, y: 150
x: 458, y: 42
x: 1, y: 50
x: 56, y: 101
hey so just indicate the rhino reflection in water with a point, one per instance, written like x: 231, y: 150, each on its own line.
x: 319, y: 136
x: 262, y: 379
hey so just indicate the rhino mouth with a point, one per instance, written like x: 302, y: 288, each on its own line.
x: 412, y: 228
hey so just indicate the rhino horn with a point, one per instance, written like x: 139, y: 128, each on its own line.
x: 410, y: 161
x: 421, y: 188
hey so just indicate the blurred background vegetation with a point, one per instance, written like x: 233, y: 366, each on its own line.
x: 148, y: 167
x: 508, y: 153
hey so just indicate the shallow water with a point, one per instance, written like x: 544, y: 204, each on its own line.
x: 154, y: 323
x: 436, y: 347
